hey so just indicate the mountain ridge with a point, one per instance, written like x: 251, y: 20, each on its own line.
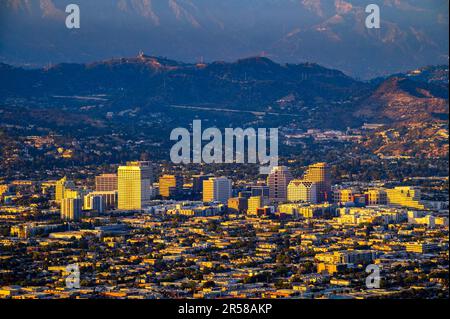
x: 253, y: 83
x: 330, y: 33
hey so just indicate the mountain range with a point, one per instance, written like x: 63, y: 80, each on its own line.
x: 332, y: 33
x: 253, y: 84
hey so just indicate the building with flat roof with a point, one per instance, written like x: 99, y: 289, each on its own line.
x: 170, y: 185
x: 106, y: 183
x: 134, y: 185
x: 278, y: 181
x: 217, y: 189
x: 405, y: 196
x: 320, y: 174
x: 71, y: 209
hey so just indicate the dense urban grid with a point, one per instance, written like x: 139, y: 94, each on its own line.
x: 242, y: 151
x: 133, y: 233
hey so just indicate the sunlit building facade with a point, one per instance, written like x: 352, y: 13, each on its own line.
x: 71, y: 209
x: 170, y: 185
x: 278, y: 181
x: 376, y: 197
x: 404, y: 196
x: 320, y: 174
x: 217, y: 189
x: 106, y: 183
x: 134, y: 185
x: 302, y: 191
x: 254, y: 203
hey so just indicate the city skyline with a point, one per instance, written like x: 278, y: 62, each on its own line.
x: 225, y: 158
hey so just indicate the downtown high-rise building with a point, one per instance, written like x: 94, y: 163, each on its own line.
x: 217, y: 189
x: 278, y: 181
x: 106, y: 183
x: 320, y: 173
x: 63, y: 187
x: 197, y: 182
x: 93, y: 202
x: 170, y: 185
x: 134, y: 185
x: 71, y: 209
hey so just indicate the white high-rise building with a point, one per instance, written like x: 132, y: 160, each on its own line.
x: 217, y: 189
x: 134, y: 185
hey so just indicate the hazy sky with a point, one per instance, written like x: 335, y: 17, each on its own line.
x: 333, y: 33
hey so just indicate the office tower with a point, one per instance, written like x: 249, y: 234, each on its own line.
x: 170, y: 185
x: 93, y: 202
x: 376, y: 197
x: 134, y: 185
x: 237, y: 204
x: 106, y: 183
x: 304, y: 191
x: 71, y: 209
x: 320, y: 174
x: 72, y: 193
x: 404, y: 196
x: 217, y: 189
x: 260, y: 190
x: 254, y: 203
x: 278, y: 181
x: 197, y: 183
x: 61, y: 186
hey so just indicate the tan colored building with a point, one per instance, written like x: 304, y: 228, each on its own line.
x: 106, y: 183
x: 3, y: 189
x: 343, y: 196
x: 376, y: 197
x: 320, y: 174
x: 278, y: 181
